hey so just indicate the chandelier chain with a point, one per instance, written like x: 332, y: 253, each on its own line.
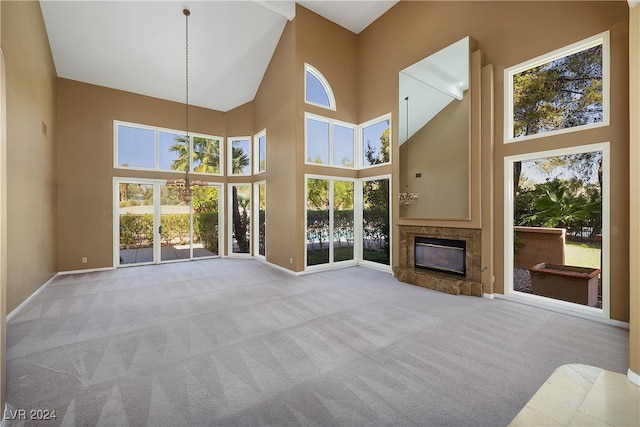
x: 186, y: 50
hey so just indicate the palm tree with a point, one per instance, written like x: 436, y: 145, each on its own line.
x: 239, y: 161
x: 181, y: 163
x: 559, y: 208
x: 207, y: 153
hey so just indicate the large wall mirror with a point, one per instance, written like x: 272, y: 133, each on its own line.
x: 434, y: 135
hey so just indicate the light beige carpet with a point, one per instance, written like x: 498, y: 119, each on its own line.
x: 236, y: 342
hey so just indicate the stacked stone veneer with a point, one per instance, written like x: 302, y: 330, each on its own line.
x: 405, y: 271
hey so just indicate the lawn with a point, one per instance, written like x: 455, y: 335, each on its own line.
x: 315, y: 257
x: 582, y: 254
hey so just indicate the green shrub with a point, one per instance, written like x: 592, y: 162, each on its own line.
x: 205, y: 228
x: 136, y: 231
x: 175, y: 228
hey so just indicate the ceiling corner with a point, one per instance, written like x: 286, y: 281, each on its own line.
x: 285, y: 8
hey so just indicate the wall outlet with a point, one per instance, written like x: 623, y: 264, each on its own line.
x: 84, y: 259
x: 290, y: 260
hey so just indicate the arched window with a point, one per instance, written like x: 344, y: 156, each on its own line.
x: 317, y: 90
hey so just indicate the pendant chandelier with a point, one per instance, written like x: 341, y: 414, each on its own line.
x: 186, y: 184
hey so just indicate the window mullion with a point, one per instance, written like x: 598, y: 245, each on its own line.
x: 331, y: 141
x: 331, y: 222
x: 157, y: 149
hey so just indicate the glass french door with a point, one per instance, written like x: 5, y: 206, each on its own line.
x: 154, y: 223
x: 136, y: 223
x: 376, y: 238
x: 260, y: 201
x: 207, y: 218
x: 175, y: 225
x: 240, y: 219
x: 557, y: 228
x: 330, y: 221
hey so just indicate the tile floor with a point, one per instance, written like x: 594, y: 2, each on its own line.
x: 583, y: 395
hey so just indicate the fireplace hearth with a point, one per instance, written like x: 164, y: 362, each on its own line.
x: 445, y: 259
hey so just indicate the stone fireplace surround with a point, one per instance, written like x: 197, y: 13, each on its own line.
x: 406, y: 272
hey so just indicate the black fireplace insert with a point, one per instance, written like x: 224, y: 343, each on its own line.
x: 441, y: 255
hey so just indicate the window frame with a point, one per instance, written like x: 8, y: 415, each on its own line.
x: 221, y: 153
x: 331, y: 122
x: 308, y: 68
x: 229, y: 236
x: 229, y: 144
x: 256, y: 152
x: 156, y: 155
x: 360, y: 148
x: 509, y: 73
x: 256, y: 219
x: 357, y: 192
x: 360, y: 218
x: 509, y: 235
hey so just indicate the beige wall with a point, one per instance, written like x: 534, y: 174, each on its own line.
x: 634, y: 175
x: 3, y: 225
x: 85, y: 161
x: 31, y: 166
x: 384, y: 50
x: 439, y: 153
x: 274, y: 111
x: 332, y: 50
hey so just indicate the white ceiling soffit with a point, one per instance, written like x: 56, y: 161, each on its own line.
x: 139, y: 46
x: 354, y: 15
x: 286, y: 8
x: 431, y: 84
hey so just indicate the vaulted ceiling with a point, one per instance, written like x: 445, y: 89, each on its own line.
x: 139, y: 46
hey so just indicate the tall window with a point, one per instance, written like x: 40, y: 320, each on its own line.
x: 318, y: 220
x: 260, y: 150
x: 317, y: 90
x: 240, y: 218
x: 239, y: 156
x: 564, y: 90
x: 375, y: 221
x: 151, y: 148
x: 260, y: 208
x: 557, y: 218
x: 330, y: 220
x: 329, y: 142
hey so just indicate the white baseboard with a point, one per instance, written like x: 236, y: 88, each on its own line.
x: 618, y: 323
x: 88, y: 270
x: 633, y: 377
x: 376, y: 266
x: 279, y: 267
x: 489, y: 296
x: 556, y: 309
x: 16, y: 310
